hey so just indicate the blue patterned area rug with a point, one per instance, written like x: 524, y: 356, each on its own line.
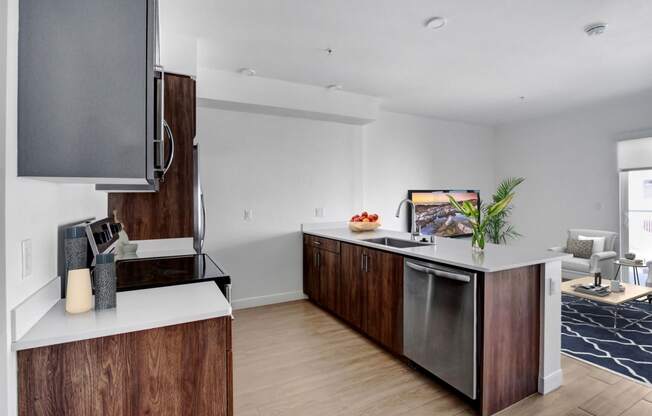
x: 587, y: 335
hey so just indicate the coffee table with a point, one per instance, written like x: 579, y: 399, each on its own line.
x: 614, y: 299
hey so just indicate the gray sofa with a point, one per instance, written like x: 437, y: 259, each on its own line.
x: 602, y: 261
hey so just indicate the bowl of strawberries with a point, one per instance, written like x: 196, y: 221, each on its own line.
x: 364, y: 222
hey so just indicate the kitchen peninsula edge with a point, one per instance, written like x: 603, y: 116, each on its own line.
x: 511, y: 277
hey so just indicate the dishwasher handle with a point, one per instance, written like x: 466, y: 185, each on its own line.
x: 460, y: 277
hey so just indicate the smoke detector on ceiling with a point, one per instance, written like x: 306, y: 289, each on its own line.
x: 334, y: 87
x: 595, y: 29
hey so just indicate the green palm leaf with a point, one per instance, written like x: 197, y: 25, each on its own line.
x: 498, y: 230
x: 506, y: 187
x: 497, y: 207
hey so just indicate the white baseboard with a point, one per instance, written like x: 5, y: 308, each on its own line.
x: 551, y: 382
x: 267, y: 300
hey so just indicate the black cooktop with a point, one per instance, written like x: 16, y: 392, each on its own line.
x: 167, y: 271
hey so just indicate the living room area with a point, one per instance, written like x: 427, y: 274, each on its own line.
x: 588, y: 174
x: 607, y: 284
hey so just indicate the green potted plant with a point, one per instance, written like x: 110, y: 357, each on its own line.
x: 482, y: 215
x: 499, y: 230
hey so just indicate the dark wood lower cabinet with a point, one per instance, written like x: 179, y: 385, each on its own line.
x: 351, y: 285
x: 175, y: 370
x: 329, y: 274
x: 311, y: 280
x: 382, y: 298
x: 370, y: 298
x: 321, y: 271
x: 360, y: 285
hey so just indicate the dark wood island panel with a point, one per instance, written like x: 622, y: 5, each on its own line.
x: 510, y: 352
x: 174, y: 370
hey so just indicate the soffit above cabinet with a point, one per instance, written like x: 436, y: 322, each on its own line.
x: 235, y: 92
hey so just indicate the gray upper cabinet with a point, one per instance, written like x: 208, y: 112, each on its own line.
x: 87, y: 102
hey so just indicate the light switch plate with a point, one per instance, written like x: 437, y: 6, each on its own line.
x: 248, y: 214
x: 319, y: 212
x: 26, y: 258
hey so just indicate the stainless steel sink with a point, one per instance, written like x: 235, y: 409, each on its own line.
x: 394, y: 242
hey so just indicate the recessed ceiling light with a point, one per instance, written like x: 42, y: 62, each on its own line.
x: 436, y: 22
x: 595, y: 29
x: 334, y: 87
x: 250, y: 72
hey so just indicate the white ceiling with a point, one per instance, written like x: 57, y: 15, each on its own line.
x: 475, y: 69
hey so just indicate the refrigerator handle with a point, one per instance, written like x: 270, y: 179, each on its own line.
x: 168, y: 130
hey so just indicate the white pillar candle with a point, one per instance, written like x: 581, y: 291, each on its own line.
x: 79, y: 294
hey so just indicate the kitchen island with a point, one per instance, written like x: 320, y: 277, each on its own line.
x: 518, y: 329
x: 165, y: 350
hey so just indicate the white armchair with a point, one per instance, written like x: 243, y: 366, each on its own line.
x: 600, y: 261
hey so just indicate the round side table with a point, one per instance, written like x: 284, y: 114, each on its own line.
x: 633, y: 266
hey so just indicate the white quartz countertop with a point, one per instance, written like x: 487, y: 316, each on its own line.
x: 451, y: 251
x: 136, y: 310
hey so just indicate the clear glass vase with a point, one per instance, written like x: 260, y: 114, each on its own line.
x: 478, y: 241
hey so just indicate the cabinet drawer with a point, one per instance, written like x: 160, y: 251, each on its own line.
x: 322, y: 243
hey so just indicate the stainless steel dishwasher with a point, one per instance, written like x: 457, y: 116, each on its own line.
x: 440, y: 322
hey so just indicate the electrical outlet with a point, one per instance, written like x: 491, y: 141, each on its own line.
x: 26, y: 257
x: 319, y: 212
x: 248, y: 214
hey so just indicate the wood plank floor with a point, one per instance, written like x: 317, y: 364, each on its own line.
x: 295, y: 359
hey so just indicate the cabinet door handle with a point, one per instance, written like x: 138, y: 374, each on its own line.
x: 318, y: 260
x: 364, y: 263
x: 317, y: 243
x: 362, y: 256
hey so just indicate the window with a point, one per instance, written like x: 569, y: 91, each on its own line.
x: 636, y: 217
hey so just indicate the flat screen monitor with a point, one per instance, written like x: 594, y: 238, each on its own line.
x: 436, y: 215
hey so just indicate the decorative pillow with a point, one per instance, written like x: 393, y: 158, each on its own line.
x: 579, y: 248
x: 598, y: 243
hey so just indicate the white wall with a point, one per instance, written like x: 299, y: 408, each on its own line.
x: 33, y: 210
x: 570, y: 163
x: 282, y: 168
x: 402, y: 152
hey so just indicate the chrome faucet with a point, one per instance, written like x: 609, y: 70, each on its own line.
x: 415, y: 230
